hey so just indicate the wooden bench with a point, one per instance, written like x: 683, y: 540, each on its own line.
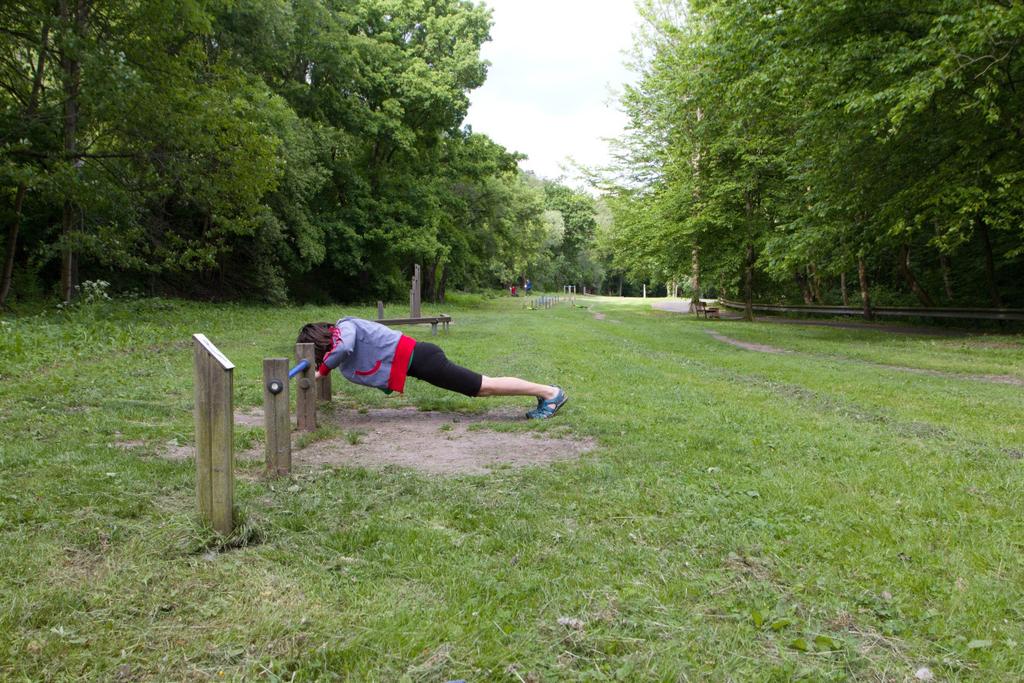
x: 443, y: 319
x: 701, y: 308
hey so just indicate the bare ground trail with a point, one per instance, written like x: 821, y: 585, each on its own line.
x: 683, y: 306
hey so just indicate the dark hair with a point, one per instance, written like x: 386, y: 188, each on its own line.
x: 320, y: 335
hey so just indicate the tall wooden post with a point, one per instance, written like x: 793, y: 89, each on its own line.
x: 414, y: 293
x: 277, y: 422
x: 214, y: 421
x: 380, y: 310
x: 305, y: 393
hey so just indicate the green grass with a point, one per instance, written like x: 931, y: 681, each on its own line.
x: 746, y: 516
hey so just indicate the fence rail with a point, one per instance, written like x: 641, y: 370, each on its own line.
x: 889, y: 311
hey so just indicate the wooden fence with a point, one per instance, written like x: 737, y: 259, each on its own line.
x: 887, y: 311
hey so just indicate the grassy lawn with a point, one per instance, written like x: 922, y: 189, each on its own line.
x: 746, y: 516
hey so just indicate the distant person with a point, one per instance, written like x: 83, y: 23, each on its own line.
x: 373, y: 355
x: 513, y: 290
x: 528, y: 287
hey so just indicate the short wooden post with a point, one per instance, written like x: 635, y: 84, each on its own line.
x: 305, y: 392
x: 414, y: 293
x: 275, y: 415
x: 323, y: 389
x: 215, y: 423
x: 380, y: 310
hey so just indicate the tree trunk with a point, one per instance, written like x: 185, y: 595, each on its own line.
x: 842, y: 286
x: 947, y: 280
x: 695, y: 276
x: 748, y: 285
x: 19, y: 198
x: 620, y: 285
x: 805, y: 290
x: 71, y: 67
x: 814, y: 283
x: 990, y: 270
x: 427, y: 287
x: 862, y: 275
x: 908, y: 275
x: 442, y: 283
x: 12, y: 243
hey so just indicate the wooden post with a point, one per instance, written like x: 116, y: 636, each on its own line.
x: 305, y: 392
x: 645, y: 290
x: 215, y: 422
x: 380, y: 310
x: 323, y: 389
x: 414, y: 293
x: 275, y: 415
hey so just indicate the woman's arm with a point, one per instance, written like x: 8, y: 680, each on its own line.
x: 344, y: 341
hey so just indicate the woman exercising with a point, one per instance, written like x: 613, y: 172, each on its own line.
x: 373, y: 355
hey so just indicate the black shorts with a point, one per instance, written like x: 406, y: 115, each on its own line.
x: 431, y: 365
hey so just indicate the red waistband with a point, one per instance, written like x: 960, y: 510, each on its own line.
x: 400, y: 363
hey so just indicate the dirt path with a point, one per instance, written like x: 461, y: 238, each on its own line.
x: 764, y: 348
x: 681, y: 306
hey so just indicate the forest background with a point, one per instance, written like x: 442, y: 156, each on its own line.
x: 315, y: 150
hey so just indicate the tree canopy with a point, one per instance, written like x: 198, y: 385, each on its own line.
x: 257, y: 148
x: 777, y: 146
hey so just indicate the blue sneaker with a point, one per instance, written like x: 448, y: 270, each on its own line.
x: 548, y: 407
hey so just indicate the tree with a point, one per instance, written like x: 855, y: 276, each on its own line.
x: 794, y: 141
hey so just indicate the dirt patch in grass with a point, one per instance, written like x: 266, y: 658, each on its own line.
x: 762, y: 348
x: 869, y: 641
x: 985, y: 344
x: 1000, y: 379
x: 992, y: 379
x: 129, y: 444
x: 432, y: 442
x: 437, y: 443
x: 601, y: 316
x: 249, y: 419
x: 172, y: 450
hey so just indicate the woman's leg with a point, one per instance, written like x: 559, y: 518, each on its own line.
x: 513, y: 386
x: 431, y: 365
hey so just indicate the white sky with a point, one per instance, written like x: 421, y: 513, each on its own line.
x: 557, y: 67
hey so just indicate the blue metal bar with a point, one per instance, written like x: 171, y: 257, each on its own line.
x: 303, y: 365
